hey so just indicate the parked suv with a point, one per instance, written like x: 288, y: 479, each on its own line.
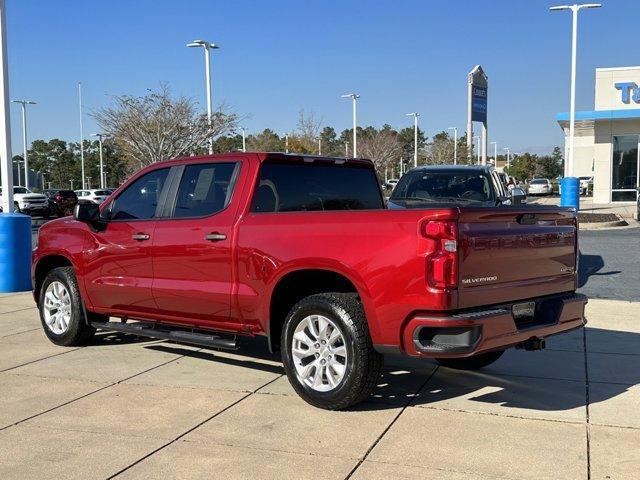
x: 303, y: 251
x: 92, y: 196
x: 61, y: 202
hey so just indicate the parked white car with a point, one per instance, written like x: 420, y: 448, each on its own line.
x: 29, y: 203
x: 92, y: 196
x: 540, y: 186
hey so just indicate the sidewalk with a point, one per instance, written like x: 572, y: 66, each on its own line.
x: 627, y: 211
x: 131, y: 408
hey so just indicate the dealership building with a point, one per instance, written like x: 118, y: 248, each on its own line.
x: 607, y: 137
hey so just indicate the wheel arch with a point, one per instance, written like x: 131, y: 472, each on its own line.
x: 294, y: 285
x: 43, y: 266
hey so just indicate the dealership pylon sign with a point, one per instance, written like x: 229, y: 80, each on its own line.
x: 478, y: 84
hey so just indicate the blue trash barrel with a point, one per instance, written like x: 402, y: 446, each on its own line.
x: 570, y: 194
x: 15, y: 252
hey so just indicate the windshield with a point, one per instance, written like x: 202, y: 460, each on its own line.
x: 20, y: 190
x: 445, y: 187
x: 539, y: 181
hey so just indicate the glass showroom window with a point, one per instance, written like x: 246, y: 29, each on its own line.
x: 624, y: 178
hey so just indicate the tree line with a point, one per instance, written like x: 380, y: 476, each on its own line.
x: 156, y: 127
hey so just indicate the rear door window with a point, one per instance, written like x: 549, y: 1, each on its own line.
x: 205, y: 189
x: 293, y: 187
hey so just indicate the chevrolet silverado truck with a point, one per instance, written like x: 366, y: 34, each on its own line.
x: 304, y: 251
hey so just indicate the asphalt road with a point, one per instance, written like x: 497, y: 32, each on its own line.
x: 610, y: 264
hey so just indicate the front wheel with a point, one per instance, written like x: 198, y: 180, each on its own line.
x: 61, y: 311
x: 475, y: 362
x: 327, y: 351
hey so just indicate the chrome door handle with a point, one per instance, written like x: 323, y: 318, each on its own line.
x: 215, y: 237
x: 140, y: 237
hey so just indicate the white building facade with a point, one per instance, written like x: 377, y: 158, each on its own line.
x: 607, y: 138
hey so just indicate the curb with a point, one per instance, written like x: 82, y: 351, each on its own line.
x: 604, y: 225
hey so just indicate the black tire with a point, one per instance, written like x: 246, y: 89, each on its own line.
x: 78, y: 332
x: 364, y: 366
x: 475, y: 362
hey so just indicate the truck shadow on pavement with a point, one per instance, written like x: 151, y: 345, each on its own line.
x: 550, y: 380
x: 589, y: 265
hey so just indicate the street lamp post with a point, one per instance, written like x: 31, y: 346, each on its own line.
x: 495, y: 153
x: 89, y: 183
x: 455, y: 144
x: 24, y: 104
x: 354, y: 97
x: 508, y: 157
x: 207, y: 63
x: 575, y: 8
x: 286, y: 143
x: 415, y: 137
x: 100, y: 135
x: 244, y: 140
x: 18, y: 162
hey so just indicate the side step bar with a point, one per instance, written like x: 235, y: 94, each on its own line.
x: 227, y: 342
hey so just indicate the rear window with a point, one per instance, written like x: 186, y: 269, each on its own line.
x: 204, y: 189
x: 538, y: 181
x: 430, y: 187
x: 290, y: 187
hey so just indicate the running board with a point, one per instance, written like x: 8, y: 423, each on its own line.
x: 227, y: 342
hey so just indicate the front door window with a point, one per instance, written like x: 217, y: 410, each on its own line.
x: 624, y: 178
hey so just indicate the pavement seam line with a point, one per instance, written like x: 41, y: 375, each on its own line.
x: 586, y: 384
x: 39, y: 359
x: 183, y: 434
x: 395, y: 419
x: 86, y: 394
x: 441, y: 469
x: 20, y: 333
x: 18, y: 310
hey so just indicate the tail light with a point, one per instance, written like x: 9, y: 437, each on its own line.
x: 57, y: 197
x: 442, y: 262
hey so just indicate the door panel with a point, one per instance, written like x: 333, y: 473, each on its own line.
x: 118, y: 272
x: 192, y: 250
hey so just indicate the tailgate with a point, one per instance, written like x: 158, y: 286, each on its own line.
x: 513, y: 253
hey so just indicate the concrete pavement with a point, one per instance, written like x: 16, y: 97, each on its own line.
x: 131, y: 408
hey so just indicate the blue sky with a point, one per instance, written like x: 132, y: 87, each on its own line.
x: 279, y: 57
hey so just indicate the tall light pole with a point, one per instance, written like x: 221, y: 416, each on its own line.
x: 508, y: 157
x: 207, y: 64
x: 575, y: 8
x: 24, y: 104
x: 286, y: 143
x: 244, y: 140
x: 100, y: 135
x: 415, y: 136
x: 319, y: 146
x: 6, y: 167
x: 477, y: 147
x: 81, y: 134
x: 455, y: 144
x: 495, y: 152
x: 18, y: 162
x: 354, y: 97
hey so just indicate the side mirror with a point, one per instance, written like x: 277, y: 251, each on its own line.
x: 89, y: 213
x: 518, y: 196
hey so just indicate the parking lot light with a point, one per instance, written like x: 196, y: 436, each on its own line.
x: 100, y: 136
x: 455, y: 144
x: 24, y: 104
x: 354, y: 97
x: 508, y: 156
x: 206, y: 46
x: 495, y: 153
x: 477, y: 147
x: 415, y: 116
x: 575, y: 8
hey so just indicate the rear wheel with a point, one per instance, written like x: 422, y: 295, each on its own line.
x: 475, y: 362
x: 327, y: 351
x: 61, y: 311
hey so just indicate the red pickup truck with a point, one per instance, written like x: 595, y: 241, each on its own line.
x: 303, y: 250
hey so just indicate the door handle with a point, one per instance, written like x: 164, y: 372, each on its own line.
x: 140, y: 237
x: 215, y: 237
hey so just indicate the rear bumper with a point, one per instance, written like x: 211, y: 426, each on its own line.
x: 469, y: 332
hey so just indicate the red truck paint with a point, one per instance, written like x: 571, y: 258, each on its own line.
x: 178, y: 277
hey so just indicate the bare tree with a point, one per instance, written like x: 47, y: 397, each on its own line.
x: 156, y: 127
x: 381, y: 146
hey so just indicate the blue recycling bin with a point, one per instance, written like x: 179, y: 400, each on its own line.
x: 15, y: 252
x: 570, y: 192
